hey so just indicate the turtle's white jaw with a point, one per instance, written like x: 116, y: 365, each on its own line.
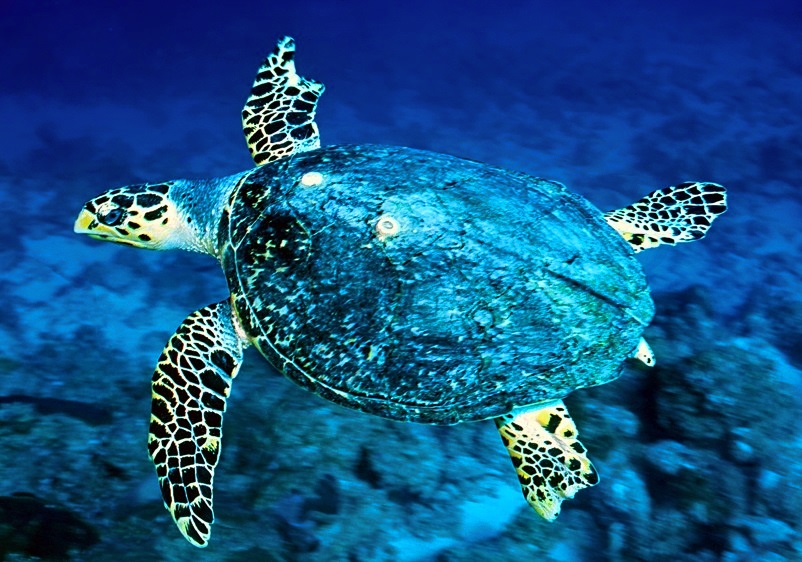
x: 143, y: 216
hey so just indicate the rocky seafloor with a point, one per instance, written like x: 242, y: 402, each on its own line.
x: 699, y: 456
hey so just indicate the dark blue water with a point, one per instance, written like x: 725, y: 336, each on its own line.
x: 699, y: 457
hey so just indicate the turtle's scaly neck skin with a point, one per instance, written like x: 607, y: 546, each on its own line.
x: 178, y: 214
x: 200, y: 204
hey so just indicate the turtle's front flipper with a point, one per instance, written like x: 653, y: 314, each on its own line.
x: 550, y: 461
x: 279, y: 116
x: 190, y: 387
x: 668, y: 216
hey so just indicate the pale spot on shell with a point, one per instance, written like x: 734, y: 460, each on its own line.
x: 311, y: 179
x: 387, y: 226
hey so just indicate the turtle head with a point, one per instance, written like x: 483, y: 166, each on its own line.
x: 144, y: 216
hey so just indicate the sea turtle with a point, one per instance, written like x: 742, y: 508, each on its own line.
x: 406, y: 284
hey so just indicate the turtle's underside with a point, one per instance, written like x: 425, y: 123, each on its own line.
x: 406, y: 284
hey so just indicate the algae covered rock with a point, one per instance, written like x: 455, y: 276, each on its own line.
x: 722, y: 394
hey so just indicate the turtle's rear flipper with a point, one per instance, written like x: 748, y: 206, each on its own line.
x: 550, y: 461
x: 190, y: 387
x: 671, y: 215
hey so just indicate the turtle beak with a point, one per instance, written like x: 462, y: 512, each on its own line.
x: 84, y: 222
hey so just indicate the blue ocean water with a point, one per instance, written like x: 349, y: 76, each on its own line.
x: 699, y: 457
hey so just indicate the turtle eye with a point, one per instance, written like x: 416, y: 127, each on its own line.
x: 111, y: 217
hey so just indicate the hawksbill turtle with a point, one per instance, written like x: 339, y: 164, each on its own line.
x: 406, y: 284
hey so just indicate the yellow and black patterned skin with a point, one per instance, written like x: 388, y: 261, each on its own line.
x: 423, y: 287
x: 681, y: 213
x: 279, y: 116
x: 190, y: 385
